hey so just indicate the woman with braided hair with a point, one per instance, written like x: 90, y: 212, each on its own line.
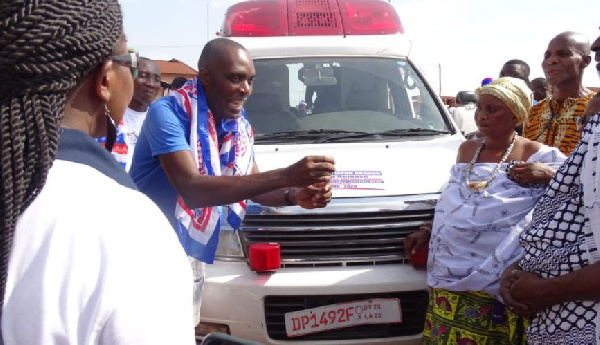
x: 68, y: 273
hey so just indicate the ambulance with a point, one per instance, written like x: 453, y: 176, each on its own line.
x: 333, y: 77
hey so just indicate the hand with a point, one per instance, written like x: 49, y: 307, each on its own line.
x: 530, y: 287
x: 506, y: 281
x: 313, y: 196
x: 310, y: 170
x: 525, y: 173
x: 414, y: 241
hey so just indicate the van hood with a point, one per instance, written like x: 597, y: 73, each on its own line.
x: 383, y: 168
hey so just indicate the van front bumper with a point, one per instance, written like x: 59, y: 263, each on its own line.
x: 252, y: 305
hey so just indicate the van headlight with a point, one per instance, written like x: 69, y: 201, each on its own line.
x: 229, y: 247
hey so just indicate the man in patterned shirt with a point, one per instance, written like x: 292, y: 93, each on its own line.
x: 557, y: 281
x: 552, y: 120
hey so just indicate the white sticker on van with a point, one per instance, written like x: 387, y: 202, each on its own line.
x: 359, y: 179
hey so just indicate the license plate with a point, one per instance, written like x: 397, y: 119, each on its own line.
x: 348, y: 314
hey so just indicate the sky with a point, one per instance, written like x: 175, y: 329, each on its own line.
x: 456, y: 43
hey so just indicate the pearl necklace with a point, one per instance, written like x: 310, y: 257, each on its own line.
x: 481, y: 185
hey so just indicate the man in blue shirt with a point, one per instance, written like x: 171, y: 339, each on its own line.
x: 189, y: 175
x: 163, y: 165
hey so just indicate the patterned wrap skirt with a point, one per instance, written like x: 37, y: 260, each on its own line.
x: 471, y: 318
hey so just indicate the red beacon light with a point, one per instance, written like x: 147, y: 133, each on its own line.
x: 264, y: 257
x: 311, y: 18
x: 256, y: 18
x: 374, y: 17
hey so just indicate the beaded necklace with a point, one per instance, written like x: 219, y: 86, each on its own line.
x: 481, y: 185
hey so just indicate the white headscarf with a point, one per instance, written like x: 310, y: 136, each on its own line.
x: 513, y: 92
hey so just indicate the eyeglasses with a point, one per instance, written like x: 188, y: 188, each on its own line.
x: 128, y: 60
x: 581, y: 121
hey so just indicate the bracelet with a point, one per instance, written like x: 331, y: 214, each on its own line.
x: 286, y: 197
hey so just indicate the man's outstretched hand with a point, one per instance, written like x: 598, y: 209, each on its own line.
x: 317, y: 195
x: 309, y: 171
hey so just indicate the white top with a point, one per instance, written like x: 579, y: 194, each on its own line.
x: 465, y: 118
x: 130, y: 128
x: 475, y: 234
x: 75, y: 277
x: 134, y: 120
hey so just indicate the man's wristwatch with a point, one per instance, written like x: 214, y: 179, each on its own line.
x: 286, y: 197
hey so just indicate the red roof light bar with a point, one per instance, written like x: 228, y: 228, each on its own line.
x: 311, y: 18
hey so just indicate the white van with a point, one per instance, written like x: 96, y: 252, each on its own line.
x: 333, y: 78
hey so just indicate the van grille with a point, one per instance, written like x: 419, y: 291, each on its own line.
x: 335, y: 239
x: 413, y: 305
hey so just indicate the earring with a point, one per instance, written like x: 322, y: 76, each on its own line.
x: 111, y: 130
x: 107, y: 113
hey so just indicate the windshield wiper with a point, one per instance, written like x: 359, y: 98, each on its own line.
x: 318, y: 136
x: 309, y: 134
x: 407, y: 132
x: 412, y: 131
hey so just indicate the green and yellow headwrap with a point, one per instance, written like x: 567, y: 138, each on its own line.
x: 513, y: 92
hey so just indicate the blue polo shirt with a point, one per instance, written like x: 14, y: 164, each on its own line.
x: 165, y: 130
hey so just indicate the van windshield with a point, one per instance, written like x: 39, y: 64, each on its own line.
x: 356, y: 98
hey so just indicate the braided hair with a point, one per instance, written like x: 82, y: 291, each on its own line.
x: 47, y: 47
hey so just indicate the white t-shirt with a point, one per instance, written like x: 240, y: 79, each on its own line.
x: 130, y: 129
x: 85, y: 269
x: 133, y: 120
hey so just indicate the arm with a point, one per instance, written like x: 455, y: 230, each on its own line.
x: 526, y: 173
x: 201, y: 191
x: 506, y: 281
x: 414, y: 241
x: 166, y: 128
x: 537, y: 169
x: 540, y: 293
x: 313, y: 196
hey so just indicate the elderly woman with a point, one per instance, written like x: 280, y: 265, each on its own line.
x: 77, y: 268
x: 477, y: 223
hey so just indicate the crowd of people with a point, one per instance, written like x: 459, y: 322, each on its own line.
x: 513, y: 248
